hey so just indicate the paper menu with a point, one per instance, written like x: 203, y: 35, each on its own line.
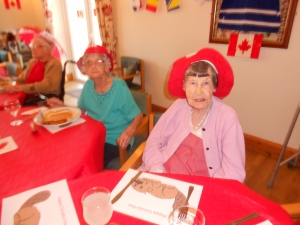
x: 151, y: 198
x: 46, y: 205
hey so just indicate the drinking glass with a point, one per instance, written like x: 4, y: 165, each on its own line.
x: 193, y: 216
x: 97, y: 207
x: 12, y: 107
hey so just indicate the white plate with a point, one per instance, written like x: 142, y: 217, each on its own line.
x: 76, y: 114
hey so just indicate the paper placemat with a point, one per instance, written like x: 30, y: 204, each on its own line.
x: 152, y: 197
x: 29, y: 112
x: 56, y: 129
x: 267, y: 222
x: 49, y: 204
x: 7, y: 144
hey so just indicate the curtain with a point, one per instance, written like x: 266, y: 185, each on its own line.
x: 106, y: 27
x: 47, y: 6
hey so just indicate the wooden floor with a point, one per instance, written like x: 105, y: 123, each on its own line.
x: 259, y: 169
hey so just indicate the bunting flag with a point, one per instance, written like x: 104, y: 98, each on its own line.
x: 172, y: 5
x: 12, y: 3
x: 245, y: 45
x: 136, y: 4
x: 151, y: 5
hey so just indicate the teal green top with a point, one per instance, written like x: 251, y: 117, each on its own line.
x: 116, y: 108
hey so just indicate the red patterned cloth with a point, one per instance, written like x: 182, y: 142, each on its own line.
x: 43, y: 158
x: 222, y: 200
x: 188, y: 159
x: 7, y: 96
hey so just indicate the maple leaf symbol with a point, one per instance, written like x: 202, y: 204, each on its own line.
x: 244, y: 46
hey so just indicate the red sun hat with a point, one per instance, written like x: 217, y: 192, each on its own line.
x: 92, y: 50
x: 225, y: 73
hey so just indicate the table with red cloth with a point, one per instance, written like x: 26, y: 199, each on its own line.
x: 222, y: 201
x: 11, y: 96
x: 42, y: 157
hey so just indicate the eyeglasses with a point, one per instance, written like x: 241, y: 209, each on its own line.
x: 96, y: 63
x: 37, y: 46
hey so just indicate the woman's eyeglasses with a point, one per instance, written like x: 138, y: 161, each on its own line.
x: 37, y: 46
x: 96, y: 63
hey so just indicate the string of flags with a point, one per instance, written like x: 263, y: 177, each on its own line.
x: 151, y: 5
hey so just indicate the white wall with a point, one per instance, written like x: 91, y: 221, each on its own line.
x: 266, y: 91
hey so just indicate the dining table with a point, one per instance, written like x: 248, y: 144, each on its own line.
x: 222, y: 200
x: 5, y: 96
x: 43, y: 157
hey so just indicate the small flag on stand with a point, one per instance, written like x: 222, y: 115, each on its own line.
x: 245, y: 45
x: 172, y: 5
x: 151, y: 5
x: 136, y: 4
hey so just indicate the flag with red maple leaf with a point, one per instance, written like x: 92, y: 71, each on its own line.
x: 244, y: 45
x: 12, y: 4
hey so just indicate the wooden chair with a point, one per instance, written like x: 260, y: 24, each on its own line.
x: 136, y: 159
x: 143, y: 100
x: 293, y: 210
x: 130, y: 68
x: 13, y: 69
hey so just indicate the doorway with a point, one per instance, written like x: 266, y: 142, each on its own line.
x: 82, y: 28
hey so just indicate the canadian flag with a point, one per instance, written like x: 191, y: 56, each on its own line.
x: 12, y: 3
x: 136, y: 4
x: 245, y: 45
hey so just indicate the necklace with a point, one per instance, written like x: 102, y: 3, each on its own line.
x: 202, y: 119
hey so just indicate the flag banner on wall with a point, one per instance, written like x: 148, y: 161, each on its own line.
x: 172, y: 5
x: 151, y: 5
x: 12, y: 3
x: 247, y: 15
x: 136, y: 4
x: 245, y: 45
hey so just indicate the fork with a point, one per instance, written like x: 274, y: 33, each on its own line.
x: 183, y: 211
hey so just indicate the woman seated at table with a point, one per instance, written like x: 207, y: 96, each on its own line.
x: 107, y: 99
x: 199, y: 134
x: 42, y: 75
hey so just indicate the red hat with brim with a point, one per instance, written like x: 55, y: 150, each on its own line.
x: 225, y: 73
x: 95, y: 50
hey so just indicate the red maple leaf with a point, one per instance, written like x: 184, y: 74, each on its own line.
x: 244, y: 46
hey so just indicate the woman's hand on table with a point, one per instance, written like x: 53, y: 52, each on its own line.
x: 12, y: 88
x: 54, y: 102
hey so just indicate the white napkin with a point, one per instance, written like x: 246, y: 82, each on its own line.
x: 29, y: 112
x: 7, y: 144
x: 267, y: 222
x: 57, y: 128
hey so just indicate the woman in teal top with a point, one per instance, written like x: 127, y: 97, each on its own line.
x: 107, y: 99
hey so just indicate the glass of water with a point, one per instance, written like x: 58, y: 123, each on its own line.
x: 12, y: 107
x: 97, y: 207
x: 191, y: 216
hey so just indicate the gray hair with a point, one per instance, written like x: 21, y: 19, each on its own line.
x: 199, y: 69
x: 105, y: 58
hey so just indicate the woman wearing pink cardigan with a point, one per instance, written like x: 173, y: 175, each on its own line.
x: 199, y: 134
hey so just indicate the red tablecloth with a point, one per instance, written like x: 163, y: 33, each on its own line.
x: 7, y: 96
x: 43, y: 158
x: 221, y: 202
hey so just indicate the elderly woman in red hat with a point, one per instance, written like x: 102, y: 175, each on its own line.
x: 43, y: 73
x: 107, y: 99
x: 199, y: 134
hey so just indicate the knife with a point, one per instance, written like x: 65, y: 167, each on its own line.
x: 119, y: 195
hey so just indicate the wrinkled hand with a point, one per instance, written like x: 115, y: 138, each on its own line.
x: 12, y: 89
x: 125, y: 138
x: 54, y: 102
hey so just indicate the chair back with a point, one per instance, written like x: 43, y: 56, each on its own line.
x: 3, y: 56
x: 127, y: 61
x: 154, y: 117
x: 143, y: 102
x: 63, y: 80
